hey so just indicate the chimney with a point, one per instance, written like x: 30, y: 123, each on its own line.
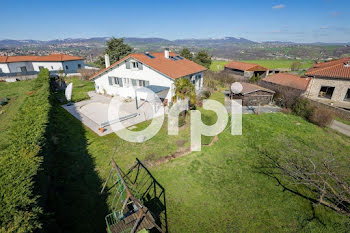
x: 166, y: 53
x: 107, y: 62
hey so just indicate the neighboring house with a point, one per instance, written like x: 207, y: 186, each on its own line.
x: 253, y: 95
x: 32, y: 64
x: 246, y: 70
x: 330, y: 82
x: 157, y: 71
x: 288, y: 80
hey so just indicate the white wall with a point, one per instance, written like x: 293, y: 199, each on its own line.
x: 15, y: 67
x: 4, y: 67
x: 51, y: 66
x: 147, y: 74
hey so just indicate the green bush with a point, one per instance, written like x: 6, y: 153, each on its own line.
x: 302, y: 107
x: 21, y: 161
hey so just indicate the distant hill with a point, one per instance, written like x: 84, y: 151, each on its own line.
x: 131, y: 40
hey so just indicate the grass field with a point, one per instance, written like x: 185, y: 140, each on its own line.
x: 271, y: 64
x: 16, y: 92
x: 215, y: 190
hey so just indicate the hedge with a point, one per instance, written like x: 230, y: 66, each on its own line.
x: 22, y: 159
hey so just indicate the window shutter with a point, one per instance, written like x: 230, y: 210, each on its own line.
x: 133, y: 82
x: 127, y: 64
x: 147, y: 83
x: 120, y: 82
x: 110, y: 80
x: 140, y: 66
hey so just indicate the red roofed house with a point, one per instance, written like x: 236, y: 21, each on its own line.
x: 288, y: 80
x: 157, y: 71
x: 246, y: 70
x: 33, y: 64
x: 330, y: 82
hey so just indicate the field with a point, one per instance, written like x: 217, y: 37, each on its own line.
x: 16, y: 92
x: 215, y: 190
x: 271, y: 64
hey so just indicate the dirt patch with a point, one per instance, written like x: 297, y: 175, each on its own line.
x: 179, y: 153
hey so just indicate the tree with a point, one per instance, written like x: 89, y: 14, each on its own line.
x: 116, y: 49
x: 186, y: 53
x: 184, y: 89
x: 319, y: 177
x: 203, y: 58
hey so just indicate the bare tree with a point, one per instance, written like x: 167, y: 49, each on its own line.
x: 320, y: 178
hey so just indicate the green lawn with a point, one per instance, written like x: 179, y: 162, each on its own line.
x: 80, y: 88
x: 215, y: 190
x: 16, y: 92
x: 271, y: 64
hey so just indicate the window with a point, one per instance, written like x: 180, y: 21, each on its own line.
x: 326, y: 92
x: 347, y: 96
x: 149, y: 55
x: 135, y: 65
x: 0, y: 70
x: 41, y: 67
x: 142, y: 83
x: 79, y: 66
x: 67, y: 68
x: 51, y: 67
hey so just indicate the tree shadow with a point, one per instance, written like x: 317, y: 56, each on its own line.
x: 74, y: 198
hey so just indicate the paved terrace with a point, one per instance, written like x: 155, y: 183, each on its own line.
x: 93, y: 112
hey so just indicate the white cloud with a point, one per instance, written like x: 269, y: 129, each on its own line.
x: 280, y: 6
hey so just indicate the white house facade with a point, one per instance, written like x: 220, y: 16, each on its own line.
x: 156, y: 71
x: 32, y: 64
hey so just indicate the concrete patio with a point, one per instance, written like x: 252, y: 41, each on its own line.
x: 94, y: 112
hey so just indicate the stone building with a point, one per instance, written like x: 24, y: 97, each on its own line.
x: 330, y: 83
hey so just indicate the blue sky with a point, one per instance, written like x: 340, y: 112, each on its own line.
x: 258, y: 20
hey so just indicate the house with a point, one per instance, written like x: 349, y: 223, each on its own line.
x: 22, y: 65
x: 156, y: 71
x: 286, y: 80
x: 330, y: 82
x: 246, y: 70
x: 253, y: 95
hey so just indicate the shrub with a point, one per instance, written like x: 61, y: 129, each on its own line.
x: 205, y: 94
x: 182, y: 120
x: 86, y: 73
x: 321, y: 117
x: 302, y: 107
x: 21, y: 161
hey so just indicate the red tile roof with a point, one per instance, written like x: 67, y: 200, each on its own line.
x: 245, y: 66
x: 169, y: 67
x: 51, y: 57
x: 288, y: 80
x: 332, y: 69
x: 249, y: 88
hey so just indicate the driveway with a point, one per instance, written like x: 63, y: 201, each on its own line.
x: 340, y: 127
x: 94, y: 112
